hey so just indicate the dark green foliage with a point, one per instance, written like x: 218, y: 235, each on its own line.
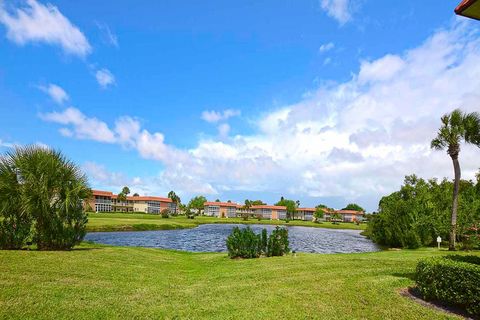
x: 454, y: 280
x: 197, y: 203
x: 243, y: 243
x: 15, y: 221
x: 291, y: 206
x: 165, y: 213
x: 278, y: 243
x: 264, y: 240
x: 353, y: 206
x: 41, y: 186
x: 420, y: 211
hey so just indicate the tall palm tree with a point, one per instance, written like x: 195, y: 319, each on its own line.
x: 175, y: 199
x: 456, y: 127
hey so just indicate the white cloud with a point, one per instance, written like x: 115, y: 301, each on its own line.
x: 104, y: 78
x: 82, y: 127
x: 326, y: 47
x: 354, y: 140
x: 382, y: 69
x: 36, y: 22
x: 107, y: 35
x: 216, y: 116
x: 223, y: 130
x: 103, y: 178
x: 55, y: 92
x: 340, y: 10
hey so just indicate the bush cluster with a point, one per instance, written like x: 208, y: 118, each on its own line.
x: 420, y: 211
x: 41, y: 200
x: 245, y: 243
x: 165, y: 213
x: 454, y: 280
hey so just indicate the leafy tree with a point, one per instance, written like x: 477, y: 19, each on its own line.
x: 255, y: 202
x: 335, y: 216
x: 319, y: 214
x: 136, y: 195
x: 419, y: 212
x: 456, y: 127
x: 197, y: 203
x: 291, y: 206
x: 353, y: 206
x: 218, y: 200
x: 51, y: 191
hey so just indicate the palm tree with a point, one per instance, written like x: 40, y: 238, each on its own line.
x: 175, y: 199
x: 51, y: 190
x: 456, y: 127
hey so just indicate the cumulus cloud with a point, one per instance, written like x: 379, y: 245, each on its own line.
x: 213, y: 116
x: 104, y: 78
x: 55, y: 92
x: 81, y: 126
x: 340, y: 10
x: 355, y: 139
x: 40, y: 23
x: 382, y: 69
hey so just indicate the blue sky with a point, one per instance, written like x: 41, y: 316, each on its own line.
x: 328, y: 101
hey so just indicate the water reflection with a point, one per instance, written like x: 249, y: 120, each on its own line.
x: 211, y: 238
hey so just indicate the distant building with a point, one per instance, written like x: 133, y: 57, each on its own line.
x: 220, y: 209
x: 106, y: 201
x: 270, y: 212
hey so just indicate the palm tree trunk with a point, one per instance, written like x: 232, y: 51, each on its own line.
x: 456, y: 185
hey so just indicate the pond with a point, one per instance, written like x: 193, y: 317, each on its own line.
x: 212, y: 237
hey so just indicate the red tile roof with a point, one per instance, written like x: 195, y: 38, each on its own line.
x: 144, y: 198
x: 469, y: 8
x: 307, y: 209
x: 269, y: 207
x: 221, y: 204
x: 102, y: 193
x: 354, y: 212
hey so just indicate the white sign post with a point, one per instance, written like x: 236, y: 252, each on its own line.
x: 439, y: 240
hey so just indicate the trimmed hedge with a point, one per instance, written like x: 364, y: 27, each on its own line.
x: 454, y: 280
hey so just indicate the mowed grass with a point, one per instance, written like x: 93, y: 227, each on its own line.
x: 138, y: 221
x: 104, y: 282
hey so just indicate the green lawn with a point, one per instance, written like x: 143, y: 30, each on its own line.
x: 138, y: 221
x: 105, y: 282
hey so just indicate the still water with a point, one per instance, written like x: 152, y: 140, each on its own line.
x: 212, y: 237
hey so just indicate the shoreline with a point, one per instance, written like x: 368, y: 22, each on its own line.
x: 116, y: 222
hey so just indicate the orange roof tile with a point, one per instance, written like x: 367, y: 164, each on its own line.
x: 269, y: 207
x: 221, y: 204
x: 349, y: 212
x: 102, y: 193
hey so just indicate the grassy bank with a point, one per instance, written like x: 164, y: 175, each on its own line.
x: 138, y: 221
x: 96, y: 281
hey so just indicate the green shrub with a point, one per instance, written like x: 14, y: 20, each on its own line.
x: 278, y: 243
x: 243, y: 243
x: 165, y: 213
x: 41, y: 198
x: 454, y: 280
x: 264, y: 241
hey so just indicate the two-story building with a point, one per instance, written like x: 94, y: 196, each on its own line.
x: 221, y: 209
x: 270, y: 212
x: 106, y: 201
